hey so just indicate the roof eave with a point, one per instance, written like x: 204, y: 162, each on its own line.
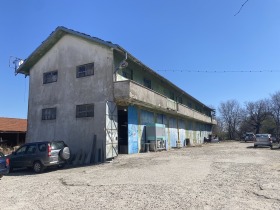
x: 46, y: 45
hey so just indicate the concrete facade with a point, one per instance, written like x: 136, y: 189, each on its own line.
x: 135, y: 94
x: 68, y: 92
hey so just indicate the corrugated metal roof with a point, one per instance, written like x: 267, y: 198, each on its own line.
x: 13, y: 125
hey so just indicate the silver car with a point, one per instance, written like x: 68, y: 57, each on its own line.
x: 250, y: 137
x: 263, y: 140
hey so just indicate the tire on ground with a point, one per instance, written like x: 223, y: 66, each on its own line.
x: 38, y: 167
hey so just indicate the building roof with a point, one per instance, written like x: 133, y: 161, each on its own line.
x: 13, y: 125
x: 60, y: 31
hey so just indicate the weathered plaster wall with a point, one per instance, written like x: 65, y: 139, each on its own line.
x: 159, y: 86
x: 68, y: 92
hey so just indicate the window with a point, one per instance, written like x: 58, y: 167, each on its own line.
x: 85, y: 70
x: 21, y: 150
x: 128, y: 73
x: 31, y: 149
x: 50, y: 77
x: 147, y: 83
x: 85, y: 110
x: 58, y: 145
x: 180, y: 100
x: 49, y: 114
x: 42, y: 147
x: 172, y: 95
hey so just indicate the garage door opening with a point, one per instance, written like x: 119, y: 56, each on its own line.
x: 122, y: 130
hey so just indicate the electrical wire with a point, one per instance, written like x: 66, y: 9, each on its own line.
x: 219, y: 71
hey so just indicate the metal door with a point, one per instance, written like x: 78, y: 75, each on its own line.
x: 111, y: 130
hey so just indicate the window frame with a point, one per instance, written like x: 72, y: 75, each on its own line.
x: 50, y: 77
x: 87, y: 71
x: 147, y: 82
x: 127, y: 73
x: 84, y: 110
x: 48, y: 116
x: 180, y: 100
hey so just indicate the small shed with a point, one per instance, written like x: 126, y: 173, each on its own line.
x: 12, y: 131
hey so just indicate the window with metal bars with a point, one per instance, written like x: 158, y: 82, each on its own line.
x: 49, y: 114
x: 85, y: 70
x: 49, y: 77
x: 85, y: 110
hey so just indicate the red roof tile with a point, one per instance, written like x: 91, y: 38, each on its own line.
x: 13, y: 125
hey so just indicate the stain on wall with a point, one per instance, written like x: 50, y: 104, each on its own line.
x: 182, y: 133
x: 173, y: 132
x: 146, y: 117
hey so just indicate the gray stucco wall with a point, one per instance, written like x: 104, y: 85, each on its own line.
x: 68, y: 92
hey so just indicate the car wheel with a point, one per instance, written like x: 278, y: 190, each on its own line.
x: 255, y: 146
x: 38, y: 167
x: 64, y: 153
x: 1, y: 176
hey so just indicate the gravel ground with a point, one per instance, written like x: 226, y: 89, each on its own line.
x: 228, y: 175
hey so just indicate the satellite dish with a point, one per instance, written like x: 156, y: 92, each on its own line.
x: 20, y: 62
x: 15, y: 62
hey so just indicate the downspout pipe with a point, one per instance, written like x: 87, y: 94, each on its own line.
x: 122, y: 65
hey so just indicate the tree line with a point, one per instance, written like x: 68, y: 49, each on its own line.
x: 262, y: 116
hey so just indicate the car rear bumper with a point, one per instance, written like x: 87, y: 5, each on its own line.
x: 268, y: 144
x: 53, y: 163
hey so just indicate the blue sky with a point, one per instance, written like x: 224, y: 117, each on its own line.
x: 181, y: 36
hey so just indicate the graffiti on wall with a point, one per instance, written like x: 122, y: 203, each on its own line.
x: 132, y: 130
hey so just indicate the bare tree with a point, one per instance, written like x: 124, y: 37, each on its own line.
x: 257, y: 113
x: 218, y: 129
x: 275, y: 111
x: 231, y: 115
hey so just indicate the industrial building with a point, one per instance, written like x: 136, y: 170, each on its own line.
x: 99, y: 99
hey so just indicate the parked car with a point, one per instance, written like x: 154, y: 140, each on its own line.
x: 250, y: 137
x: 263, y: 140
x: 4, y: 165
x: 39, y: 155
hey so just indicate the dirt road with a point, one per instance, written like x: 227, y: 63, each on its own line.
x: 229, y: 175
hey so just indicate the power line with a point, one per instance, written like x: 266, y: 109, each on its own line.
x: 219, y: 71
x: 241, y: 7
